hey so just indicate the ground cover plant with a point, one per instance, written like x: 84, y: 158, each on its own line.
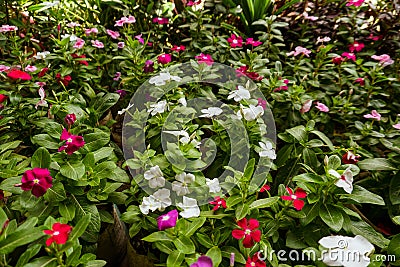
x: 199, y: 133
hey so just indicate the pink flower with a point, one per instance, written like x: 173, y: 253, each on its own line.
x: 4, y: 68
x: 167, y: 220
x: 306, y: 16
x: 348, y: 55
x: 299, y: 193
x: 83, y: 62
x: 121, y: 93
x: 350, y: 158
x: 322, y: 107
x: 161, y: 21
x: 262, y: 103
x: 42, y: 94
x: 354, y: 2
x: 218, y: 202
x: 299, y: 50
x: 117, y: 76
x: 384, y: 59
x: 337, y: 60
x: 283, y: 87
x: 97, y: 44
x: 195, y: 3
x: 164, y: 59
x: 92, y: 30
x: 374, y: 38
x: 203, y: 261
x: 79, y: 43
x: 30, y: 68
x: 2, y: 98
x: 8, y: 28
x: 59, y: 234
x: 113, y: 34
x: 64, y: 80
x: 178, y: 48
x: 70, y: 119
x: 121, y: 45
x: 249, y: 231
x: 128, y: 20
x: 19, y: 74
x: 397, y: 126
x: 37, y: 180
x: 73, y: 24
x: 243, y: 70
x: 73, y: 142
x: 265, y: 188
x: 204, y: 58
x: 235, y: 41
x: 374, y: 115
x: 139, y: 37
x: 356, y: 46
x: 250, y: 41
x: 361, y: 81
x: 306, y: 106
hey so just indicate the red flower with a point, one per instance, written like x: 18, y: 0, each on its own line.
x: 204, y: 58
x: 64, y: 80
x: 243, y: 70
x: 38, y: 180
x: 74, y: 142
x: 350, y: 158
x: 356, y: 46
x: 83, y: 62
x: 178, y: 48
x: 59, y: 233
x: 249, y: 231
x: 70, y: 119
x: 235, y: 41
x: 297, y: 203
x: 265, y: 188
x: 360, y: 81
x: 218, y: 202
x: 19, y: 74
x: 374, y: 38
x: 2, y: 98
x: 255, y: 261
x: 160, y: 20
x: 1, y: 194
x: 337, y: 60
x: 42, y: 72
x: 164, y: 59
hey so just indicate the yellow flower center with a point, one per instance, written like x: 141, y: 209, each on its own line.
x: 69, y: 140
x: 36, y: 181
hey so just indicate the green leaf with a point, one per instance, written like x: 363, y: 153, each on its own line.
x: 394, y: 246
x: 45, y: 140
x: 332, y: 217
x: 325, y: 139
x: 298, y: 132
x: 309, y: 178
x: 67, y: 210
x: 83, y: 208
x: 73, y: 171
x: 194, y: 225
x: 19, y: 238
x: 28, y: 254
x: 376, y: 164
x: 241, y: 211
x: 205, y: 240
x: 3, y: 217
x: 334, y: 162
x: 226, y: 253
x: 215, y: 254
x: 362, y: 195
x: 311, y: 211
x: 102, y: 103
x: 96, y: 140
x: 41, y: 158
x: 104, y: 169
x: 9, y: 145
x: 56, y: 193
x: 158, y: 236
x: 43, y: 262
x: 184, y: 244
x: 394, y: 189
x: 102, y: 153
x: 175, y: 258
x: 264, y: 203
x: 366, y: 230
x: 96, y: 263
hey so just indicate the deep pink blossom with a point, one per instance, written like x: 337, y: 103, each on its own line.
x: 348, y: 55
x: 140, y: 38
x: 121, y: 45
x: 148, y: 66
x: 70, y: 118
x: 298, y: 204
x: 374, y: 115
x: 164, y: 59
x: 356, y: 46
x: 354, y: 2
x: 350, y: 158
x: 91, y: 30
x: 322, y: 107
x: 42, y: 72
x: 204, y: 58
x: 262, y: 103
x: 299, y: 50
x: 255, y: 261
x: 235, y: 41
x: 125, y: 20
x: 73, y: 142
x: 250, y: 41
x: 59, y: 234
x: 374, y: 38
x: 83, y: 62
x: 244, y: 70
x: 117, y: 75
x: 306, y: 106
x: 218, y: 202
x: 64, y: 80
x: 265, y: 188
x: 79, y: 43
x: 167, y: 220
x: 361, y: 81
x: 37, y: 180
x: 161, y: 21
x: 19, y: 74
x: 113, y: 34
x: 178, y: 48
x: 337, y: 60
x: 97, y: 43
x: 203, y: 261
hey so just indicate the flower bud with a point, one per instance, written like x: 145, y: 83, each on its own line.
x: 70, y: 119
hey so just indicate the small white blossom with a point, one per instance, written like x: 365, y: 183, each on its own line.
x: 239, y: 94
x: 125, y: 109
x: 323, y: 40
x: 149, y: 203
x: 345, y: 180
x: 182, y: 101
x: 72, y: 37
x: 41, y: 55
x: 181, y: 187
x: 155, y: 177
x: 158, y: 107
x: 185, y: 136
x: 213, y: 185
x: 163, y: 77
x: 211, y: 112
x: 267, y: 150
x: 190, y: 208
x: 251, y: 113
x: 162, y: 196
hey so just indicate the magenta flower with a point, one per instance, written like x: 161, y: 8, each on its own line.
x: 8, y: 28
x: 322, y: 107
x: 348, y: 55
x: 38, y: 180
x: 113, y: 34
x: 79, y: 43
x: 397, y: 126
x: 117, y: 75
x: 74, y: 142
x: 235, y: 41
x: 161, y: 21
x: 139, y: 38
x: 30, y: 68
x: 299, y: 50
x: 374, y: 115
x: 19, y: 74
x: 299, y: 193
x: 167, y: 220
x: 204, y: 58
x: 97, y: 44
x: 337, y: 60
x: 350, y: 158
x: 203, y: 261
x: 218, y: 202
x: 262, y: 103
x: 361, y: 81
x: 121, y: 45
x: 306, y: 106
x: 128, y: 20
x: 92, y: 30
x: 59, y: 234
x: 148, y: 66
x: 355, y: 2
x: 164, y: 59
x: 178, y: 48
x: 283, y: 87
x: 70, y: 119
x: 250, y: 41
x: 121, y: 93
x: 384, y: 59
x: 356, y: 46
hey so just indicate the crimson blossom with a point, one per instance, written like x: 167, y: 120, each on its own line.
x: 37, y: 180
x: 249, y: 231
x: 350, y: 158
x: 255, y: 261
x: 19, y: 74
x: 218, y: 202
x: 299, y: 193
x: 74, y: 142
x: 59, y: 234
x: 235, y: 41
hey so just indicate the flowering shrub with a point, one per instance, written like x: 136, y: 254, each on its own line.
x: 123, y: 134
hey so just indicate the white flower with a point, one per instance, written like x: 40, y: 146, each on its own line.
x: 41, y: 55
x: 251, y: 113
x: 196, y: 143
x: 42, y: 101
x: 162, y: 196
x: 72, y: 37
x: 239, y: 94
x: 185, y: 136
x: 213, y: 185
x: 125, y: 109
x: 181, y: 187
x: 345, y: 180
x: 149, y: 203
x: 322, y: 40
x: 267, y: 150
x: 155, y: 177
x: 182, y: 101
x: 346, y: 251
x: 158, y: 107
x: 190, y: 208
x: 50, y: 4
x: 211, y: 112
x: 162, y: 78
